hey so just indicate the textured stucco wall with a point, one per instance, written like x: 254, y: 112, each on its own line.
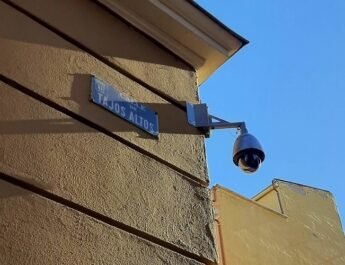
x: 60, y: 71
x: 309, y: 232
x: 120, y: 44
x: 88, y: 187
x: 35, y: 230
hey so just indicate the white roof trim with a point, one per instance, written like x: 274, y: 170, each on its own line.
x: 182, y: 28
x: 189, y: 26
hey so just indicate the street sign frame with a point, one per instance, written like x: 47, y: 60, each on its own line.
x: 109, y: 98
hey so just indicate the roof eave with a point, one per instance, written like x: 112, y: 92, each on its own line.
x: 184, y: 28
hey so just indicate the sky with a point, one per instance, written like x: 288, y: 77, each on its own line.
x: 288, y: 85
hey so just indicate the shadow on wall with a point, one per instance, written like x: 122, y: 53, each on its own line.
x: 9, y: 190
x: 172, y: 120
x: 104, y: 33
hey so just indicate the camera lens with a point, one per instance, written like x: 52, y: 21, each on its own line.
x: 249, y: 162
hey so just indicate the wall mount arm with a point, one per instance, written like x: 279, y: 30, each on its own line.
x: 198, y: 117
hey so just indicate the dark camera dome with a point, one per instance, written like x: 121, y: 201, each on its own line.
x: 248, y: 153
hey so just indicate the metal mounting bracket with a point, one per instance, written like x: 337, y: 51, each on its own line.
x: 197, y: 115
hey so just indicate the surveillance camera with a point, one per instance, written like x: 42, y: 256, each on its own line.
x: 248, y: 153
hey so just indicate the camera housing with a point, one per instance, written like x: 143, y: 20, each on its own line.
x: 248, y: 153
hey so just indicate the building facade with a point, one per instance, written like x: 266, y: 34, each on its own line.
x: 285, y: 224
x: 79, y: 184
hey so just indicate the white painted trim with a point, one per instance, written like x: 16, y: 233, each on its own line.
x: 181, y: 28
x: 189, y: 26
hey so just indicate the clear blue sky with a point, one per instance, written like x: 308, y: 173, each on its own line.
x: 288, y: 84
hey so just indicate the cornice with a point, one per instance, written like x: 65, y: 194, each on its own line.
x: 184, y: 28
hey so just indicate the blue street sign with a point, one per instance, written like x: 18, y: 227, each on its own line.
x: 109, y: 98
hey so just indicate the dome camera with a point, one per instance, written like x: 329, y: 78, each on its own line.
x: 248, y: 153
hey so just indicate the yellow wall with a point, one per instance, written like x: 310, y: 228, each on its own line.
x: 78, y: 185
x: 309, y: 231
